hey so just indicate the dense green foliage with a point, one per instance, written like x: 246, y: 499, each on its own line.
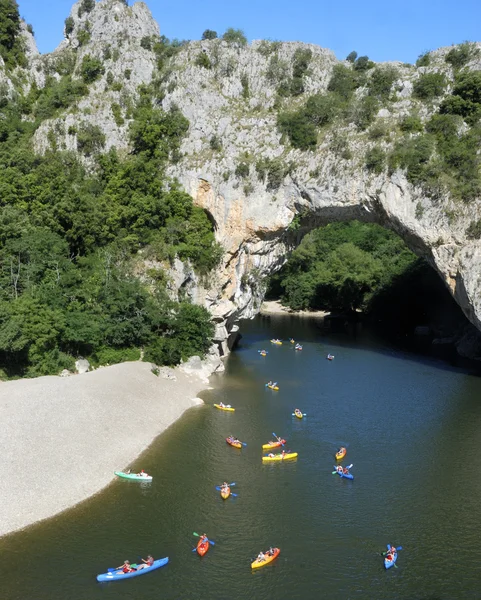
x: 235, y: 36
x: 459, y: 56
x: 342, y: 267
x: 209, y: 34
x: 11, y: 43
x: 429, y: 85
x: 73, y: 242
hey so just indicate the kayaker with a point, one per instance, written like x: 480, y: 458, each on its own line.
x: 221, y: 404
x: 126, y: 567
x: 269, y: 384
x: 270, y: 551
x: 147, y: 562
x: 274, y: 384
x: 345, y: 471
x: 270, y: 455
x: 143, y: 474
x: 261, y: 557
x: 283, y: 453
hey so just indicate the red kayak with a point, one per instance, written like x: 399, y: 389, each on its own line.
x: 202, y: 546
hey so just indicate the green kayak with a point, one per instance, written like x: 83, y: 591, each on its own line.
x: 135, y: 476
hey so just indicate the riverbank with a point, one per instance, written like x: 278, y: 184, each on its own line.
x: 62, y: 438
x: 274, y: 307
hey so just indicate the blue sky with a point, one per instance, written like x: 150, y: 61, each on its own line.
x: 384, y: 30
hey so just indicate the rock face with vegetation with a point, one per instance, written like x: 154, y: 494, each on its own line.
x: 269, y: 139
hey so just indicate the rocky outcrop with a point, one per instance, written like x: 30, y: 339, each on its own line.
x: 229, y: 93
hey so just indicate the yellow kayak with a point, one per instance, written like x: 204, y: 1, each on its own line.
x: 270, y: 445
x: 272, y: 387
x: 225, y: 493
x: 298, y: 414
x: 280, y: 457
x: 277, y: 342
x: 224, y: 407
x: 266, y: 560
x: 341, y: 454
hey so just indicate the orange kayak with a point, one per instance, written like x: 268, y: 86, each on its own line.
x: 273, y: 444
x: 341, y: 454
x: 235, y: 444
x: 202, y: 547
x: 225, y: 493
x: 267, y: 559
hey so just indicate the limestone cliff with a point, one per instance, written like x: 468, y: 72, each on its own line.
x: 229, y: 93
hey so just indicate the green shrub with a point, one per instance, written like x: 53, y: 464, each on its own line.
x: 473, y: 232
x: 363, y: 63
x: 109, y: 78
x: 271, y: 171
x: 378, y: 131
x: 245, y: 86
x: 423, y: 60
x: 322, y: 109
x: 412, y: 155
x: 466, y: 98
x: 375, y: 160
x: 86, y: 6
x: 343, y: 81
x: 90, y: 139
x: 411, y: 124
x: 91, y: 69
x: 30, y: 29
x: 459, y: 56
x: 112, y: 356
x: 242, y: 170
x: 56, y: 95
x: 277, y: 70
x: 12, y: 45
x: 429, y: 85
x: 117, y: 112
x: 215, y: 143
x: 203, y: 60
x: 209, y: 34
x: 69, y: 25
x: 83, y: 36
x: 235, y: 36
x: 266, y: 47
x: 146, y: 42
x: 363, y: 112
x: 381, y: 81
x: 445, y: 127
x: 300, y: 130
x: 127, y: 74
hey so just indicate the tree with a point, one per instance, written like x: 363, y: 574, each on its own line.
x: 209, y: 34
x: 11, y: 43
x: 429, y: 85
x: 351, y: 57
x: 235, y: 36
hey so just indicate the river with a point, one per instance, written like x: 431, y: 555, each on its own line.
x: 412, y: 428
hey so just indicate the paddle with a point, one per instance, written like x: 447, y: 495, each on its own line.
x: 277, y: 438
x: 303, y: 414
x: 210, y: 541
x: 398, y: 548
x: 349, y: 467
x: 218, y: 487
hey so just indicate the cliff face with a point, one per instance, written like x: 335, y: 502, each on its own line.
x: 229, y: 93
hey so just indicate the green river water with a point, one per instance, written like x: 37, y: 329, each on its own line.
x: 412, y: 428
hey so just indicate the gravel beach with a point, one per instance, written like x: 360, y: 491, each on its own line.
x: 61, y: 439
x: 274, y: 307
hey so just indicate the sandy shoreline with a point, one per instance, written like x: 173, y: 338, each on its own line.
x: 274, y: 307
x: 61, y: 439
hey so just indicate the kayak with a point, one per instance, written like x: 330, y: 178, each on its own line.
x: 133, y: 476
x: 298, y: 414
x: 330, y: 357
x: 236, y: 445
x: 390, y: 562
x: 263, y: 353
x: 268, y: 558
x: 277, y: 342
x: 272, y: 387
x: 280, y: 457
x: 273, y: 445
x: 341, y: 454
x: 202, y: 547
x: 116, y: 575
x: 346, y: 475
x: 224, y: 407
x: 298, y: 348
x: 225, y: 494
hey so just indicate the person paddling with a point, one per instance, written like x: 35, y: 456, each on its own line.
x: 146, y: 562
x: 126, y: 567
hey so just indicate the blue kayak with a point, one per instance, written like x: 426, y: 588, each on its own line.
x: 346, y: 475
x: 388, y: 563
x: 116, y: 575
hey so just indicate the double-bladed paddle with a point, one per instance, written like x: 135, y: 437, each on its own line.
x: 278, y: 438
x: 210, y: 541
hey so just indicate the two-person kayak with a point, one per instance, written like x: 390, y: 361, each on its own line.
x: 284, y: 456
x: 391, y: 556
x: 343, y: 472
x: 341, y: 453
x: 265, y: 558
x: 223, y: 407
x: 116, y: 575
x: 134, y: 476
